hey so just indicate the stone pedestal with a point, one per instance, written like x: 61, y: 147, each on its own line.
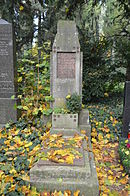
x: 7, y: 75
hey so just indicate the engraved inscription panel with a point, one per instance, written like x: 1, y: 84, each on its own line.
x: 4, y: 48
x: 66, y: 65
x: 6, y: 85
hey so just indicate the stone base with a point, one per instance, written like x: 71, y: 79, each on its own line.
x: 68, y: 121
x: 79, y: 176
x: 7, y: 110
x: 72, y: 123
x: 65, y: 132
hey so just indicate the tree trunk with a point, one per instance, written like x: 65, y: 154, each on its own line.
x: 39, y: 36
x: 128, y: 73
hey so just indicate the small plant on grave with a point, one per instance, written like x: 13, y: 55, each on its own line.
x: 73, y: 103
x: 58, y: 110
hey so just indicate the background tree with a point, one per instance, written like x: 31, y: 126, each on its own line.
x: 103, y: 27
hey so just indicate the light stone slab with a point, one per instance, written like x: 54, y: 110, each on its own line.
x: 83, y: 177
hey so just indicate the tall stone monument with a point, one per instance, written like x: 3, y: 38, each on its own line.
x: 66, y: 78
x: 66, y: 63
x: 7, y: 74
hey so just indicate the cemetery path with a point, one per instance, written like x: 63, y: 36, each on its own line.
x: 106, y: 130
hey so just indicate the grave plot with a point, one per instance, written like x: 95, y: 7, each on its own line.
x: 66, y: 160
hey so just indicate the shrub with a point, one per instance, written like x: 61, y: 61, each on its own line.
x: 73, y: 103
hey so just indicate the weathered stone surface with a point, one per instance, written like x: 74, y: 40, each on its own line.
x: 126, y: 113
x: 66, y: 121
x: 84, y: 121
x: 72, y: 177
x: 7, y: 74
x: 66, y: 63
x: 84, y: 117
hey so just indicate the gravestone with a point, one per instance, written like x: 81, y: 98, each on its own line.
x: 66, y: 78
x: 66, y: 63
x: 126, y: 112
x: 7, y: 74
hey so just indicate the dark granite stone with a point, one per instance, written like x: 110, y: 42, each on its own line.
x: 126, y: 113
x: 7, y: 74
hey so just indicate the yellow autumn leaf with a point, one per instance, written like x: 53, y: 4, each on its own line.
x: 83, y: 132
x: 12, y: 188
x: 48, y: 125
x: 28, y: 144
x: 127, y: 152
x: 70, y: 160
x: 123, y: 180
x: 13, y: 171
x: 121, y: 167
x: 94, y: 140
x: 9, y: 179
x: 25, y: 108
x: 7, y: 142
x: 21, y: 8
x: 19, y: 79
x: 126, y: 141
x: 110, y: 177
x: 108, y: 136
x: 94, y: 134
x: 111, y: 118
x: 25, y: 178
x: 100, y: 137
x: 68, y: 96
x: 67, y: 193
x: 77, y: 193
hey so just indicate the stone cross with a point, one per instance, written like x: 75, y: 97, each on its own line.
x: 7, y: 74
x: 66, y: 63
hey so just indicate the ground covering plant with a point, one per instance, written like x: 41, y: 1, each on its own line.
x: 106, y: 133
x: 22, y: 143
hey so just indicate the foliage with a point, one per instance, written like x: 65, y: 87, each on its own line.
x: 60, y: 149
x: 106, y: 129
x: 124, y: 152
x: 59, y: 110
x: 19, y: 145
x: 103, y: 32
x: 73, y: 103
x: 34, y: 83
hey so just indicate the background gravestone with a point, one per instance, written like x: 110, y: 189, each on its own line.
x: 66, y: 63
x: 126, y: 112
x: 7, y: 74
